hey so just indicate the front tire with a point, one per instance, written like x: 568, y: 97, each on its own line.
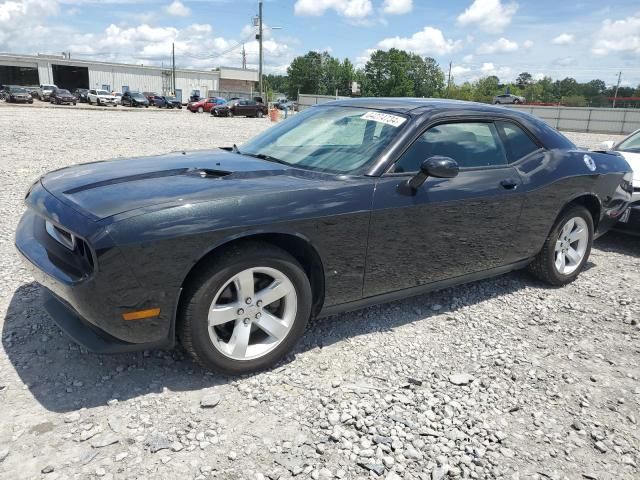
x: 200, y: 109
x: 566, y: 249
x: 246, y: 309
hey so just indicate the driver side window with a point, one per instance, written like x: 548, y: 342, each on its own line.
x: 470, y: 144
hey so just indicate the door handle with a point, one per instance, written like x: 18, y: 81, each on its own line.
x: 509, y: 184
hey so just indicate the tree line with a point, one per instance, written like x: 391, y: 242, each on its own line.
x: 397, y: 73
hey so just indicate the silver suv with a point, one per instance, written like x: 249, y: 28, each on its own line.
x: 508, y: 98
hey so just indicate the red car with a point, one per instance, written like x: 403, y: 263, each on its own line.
x: 205, y: 105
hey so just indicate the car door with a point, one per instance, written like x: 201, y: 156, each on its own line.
x: 447, y: 227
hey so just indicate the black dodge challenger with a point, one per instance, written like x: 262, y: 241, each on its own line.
x: 344, y: 205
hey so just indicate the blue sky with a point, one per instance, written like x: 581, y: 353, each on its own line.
x: 583, y: 39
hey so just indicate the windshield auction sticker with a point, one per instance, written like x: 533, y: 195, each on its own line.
x: 386, y: 118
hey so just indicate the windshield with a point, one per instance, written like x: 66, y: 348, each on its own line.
x: 102, y: 92
x: 330, y: 139
x: 63, y: 92
x: 138, y: 96
x: 631, y: 144
x: 18, y: 90
x: 48, y: 87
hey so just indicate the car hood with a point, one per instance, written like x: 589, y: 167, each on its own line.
x: 105, y: 189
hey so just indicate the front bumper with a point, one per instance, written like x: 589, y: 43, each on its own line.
x: 632, y: 225
x: 88, y: 335
x: 88, y: 302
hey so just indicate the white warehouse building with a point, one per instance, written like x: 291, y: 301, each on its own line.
x: 33, y: 70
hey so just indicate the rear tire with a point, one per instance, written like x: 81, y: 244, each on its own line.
x: 218, y: 283
x: 566, y: 249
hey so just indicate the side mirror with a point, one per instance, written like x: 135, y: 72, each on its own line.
x: 607, y: 145
x: 437, y: 167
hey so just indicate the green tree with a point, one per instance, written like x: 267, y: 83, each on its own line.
x: 486, y: 88
x: 396, y: 73
x: 524, y: 80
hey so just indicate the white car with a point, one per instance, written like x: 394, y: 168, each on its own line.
x: 629, y: 148
x: 102, y: 97
x: 45, y: 91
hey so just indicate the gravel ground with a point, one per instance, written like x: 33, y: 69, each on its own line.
x: 505, y: 378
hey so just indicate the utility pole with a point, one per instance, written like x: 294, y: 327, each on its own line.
x: 449, y: 80
x: 260, y: 47
x: 244, y: 58
x: 173, y: 68
x: 615, y: 95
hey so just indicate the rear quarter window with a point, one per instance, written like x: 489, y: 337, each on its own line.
x: 517, y: 142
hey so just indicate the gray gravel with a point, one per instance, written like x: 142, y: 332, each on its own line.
x: 503, y: 378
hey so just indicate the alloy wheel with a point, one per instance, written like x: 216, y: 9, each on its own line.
x: 571, y: 245
x: 252, y: 313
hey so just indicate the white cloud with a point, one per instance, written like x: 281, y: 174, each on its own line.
x: 618, y: 36
x: 20, y: 22
x: 503, y: 73
x: 459, y: 71
x: 563, y: 39
x: 489, y: 15
x: 178, y: 9
x: 347, y: 8
x: 397, y: 7
x: 467, y: 58
x: 527, y: 44
x: 501, y: 45
x: 429, y: 41
x: 563, y: 61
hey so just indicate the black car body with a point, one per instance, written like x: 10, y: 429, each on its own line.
x: 111, y: 237
x: 134, y: 99
x: 81, y: 94
x: 61, y: 96
x: 15, y: 94
x: 162, y: 101
x: 240, y: 108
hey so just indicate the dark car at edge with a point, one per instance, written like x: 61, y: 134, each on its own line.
x: 344, y: 205
x: 15, y: 94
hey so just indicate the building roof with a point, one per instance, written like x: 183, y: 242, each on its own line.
x: 81, y: 62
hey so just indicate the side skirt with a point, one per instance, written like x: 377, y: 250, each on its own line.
x: 421, y: 289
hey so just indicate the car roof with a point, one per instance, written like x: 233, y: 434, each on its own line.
x: 417, y: 105
x: 430, y: 107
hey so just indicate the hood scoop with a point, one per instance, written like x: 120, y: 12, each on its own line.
x: 200, y: 172
x: 208, y: 172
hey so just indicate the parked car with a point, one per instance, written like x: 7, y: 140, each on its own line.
x: 82, y: 94
x: 349, y: 203
x: 241, y: 108
x: 118, y: 97
x: 101, y: 97
x: 134, y: 99
x: 629, y: 148
x: 165, y: 101
x: 205, y: 105
x: 285, y: 105
x: 15, y: 94
x: 150, y: 96
x: 507, y: 98
x: 44, y: 91
x: 60, y: 96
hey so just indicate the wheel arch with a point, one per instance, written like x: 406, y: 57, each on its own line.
x: 590, y: 201
x: 297, y: 245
